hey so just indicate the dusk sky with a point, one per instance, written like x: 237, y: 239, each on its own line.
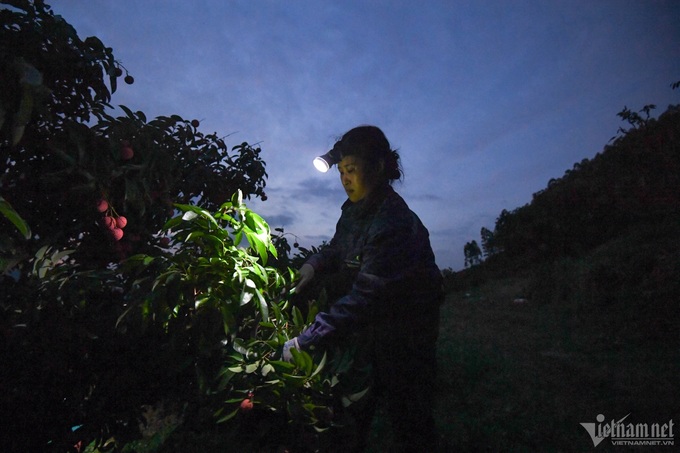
x: 486, y: 101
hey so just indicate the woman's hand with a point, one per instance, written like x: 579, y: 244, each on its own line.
x: 306, y: 275
x: 290, y: 344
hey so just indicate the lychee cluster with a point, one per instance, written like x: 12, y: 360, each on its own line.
x: 118, y: 71
x: 247, y: 404
x: 111, y: 221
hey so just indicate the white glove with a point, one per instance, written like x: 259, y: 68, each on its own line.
x: 306, y: 275
x: 287, y: 356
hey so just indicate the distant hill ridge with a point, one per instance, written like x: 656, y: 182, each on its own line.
x: 606, y: 230
x: 634, y: 181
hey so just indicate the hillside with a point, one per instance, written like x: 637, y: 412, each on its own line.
x: 605, y: 231
x: 575, y: 313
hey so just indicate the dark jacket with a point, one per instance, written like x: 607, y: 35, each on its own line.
x: 397, y: 283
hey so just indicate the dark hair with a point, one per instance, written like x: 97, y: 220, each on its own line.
x: 370, y: 144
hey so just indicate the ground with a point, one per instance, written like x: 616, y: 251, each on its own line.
x: 521, y: 376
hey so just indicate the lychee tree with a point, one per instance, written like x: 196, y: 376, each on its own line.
x: 61, y: 151
x: 230, y: 313
x: 198, y: 328
x: 111, y: 301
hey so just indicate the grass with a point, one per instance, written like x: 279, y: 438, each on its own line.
x: 523, y: 376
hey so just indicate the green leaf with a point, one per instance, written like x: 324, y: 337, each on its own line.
x: 228, y: 319
x: 240, y: 347
x: 203, y: 300
x: 260, y: 272
x: 216, y: 244
x: 40, y: 254
x: 308, y: 363
x: 321, y: 365
x: 302, y: 360
x: 353, y: 398
x: 127, y: 111
x: 282, y: 365
x: 293, y: 380
x: 165, y: 278
x: 8, y: 211
x: 266, y: 369
x: 277, y: 312
x: 195, y: 209
x: 59, y: 255
x: 247, y: 292
x: 194, y: 234
x: 189, y: 215
x: 258, y: 234
x: 264, y: 308
x: 238, y: 237
x: 225, y: 377
x: 170, y: 224
x: 237, y: 199
x: 123, y: 315
x: 297, y: 318
x: 311, y: 314
x: 228, y: 416
x: 113, y: 81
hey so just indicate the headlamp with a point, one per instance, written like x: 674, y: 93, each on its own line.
x: 332, y: 157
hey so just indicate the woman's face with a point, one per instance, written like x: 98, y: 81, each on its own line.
x: 353, y: 178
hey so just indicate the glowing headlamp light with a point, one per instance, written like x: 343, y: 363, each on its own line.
x: 332, y: 157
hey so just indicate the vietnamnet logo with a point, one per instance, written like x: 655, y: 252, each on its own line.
x: 639, y: 434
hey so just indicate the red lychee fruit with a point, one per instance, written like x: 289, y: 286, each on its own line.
x: 129, y: 79
x: 109, y: 222
x: 121, y: 221
x: 246, y: 405
x: 195, y: 123
x: 102, y: 205
x: 126, y: 153
x: 117, y: 234
x: 165, y: 241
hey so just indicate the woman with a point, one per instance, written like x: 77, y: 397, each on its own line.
x: 396, y: 287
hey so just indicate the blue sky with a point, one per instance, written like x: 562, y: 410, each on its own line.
x: 485, y: 100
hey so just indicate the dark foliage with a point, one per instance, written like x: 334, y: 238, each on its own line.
x: 605, y: 233
x: 67, y: 358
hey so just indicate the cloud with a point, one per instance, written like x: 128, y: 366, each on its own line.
x: 328, y: 190
x: 486, y: 101
x: 280, y: 220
